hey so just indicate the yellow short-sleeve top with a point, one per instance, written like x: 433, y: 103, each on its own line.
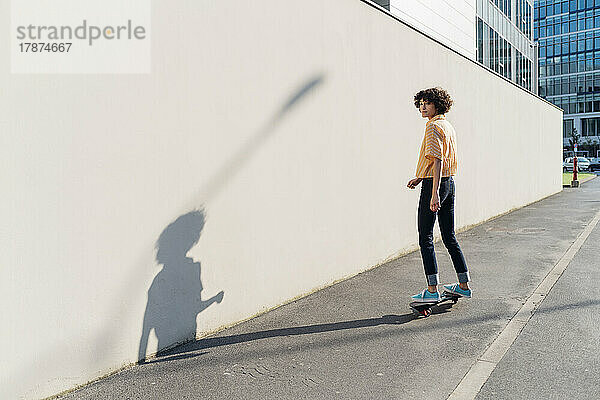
x: 439, y: 142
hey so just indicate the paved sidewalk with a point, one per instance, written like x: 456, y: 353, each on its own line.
x: 359, y: 340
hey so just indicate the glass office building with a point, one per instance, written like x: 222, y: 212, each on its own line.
x: 505, y: 40
x: 568, y: 35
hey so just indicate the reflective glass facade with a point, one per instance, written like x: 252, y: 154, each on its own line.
x: 568, y: 38
x: 504, y: 30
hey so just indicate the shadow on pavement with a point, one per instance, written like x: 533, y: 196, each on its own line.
x: 190, y: 350
x: 572, y: 306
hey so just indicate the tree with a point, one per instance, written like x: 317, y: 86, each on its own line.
x: 574, y: 138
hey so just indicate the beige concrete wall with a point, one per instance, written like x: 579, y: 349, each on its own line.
x: 290, y: 125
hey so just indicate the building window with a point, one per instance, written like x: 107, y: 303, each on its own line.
x: 590, y: 127
x: 480, y: 40
x: 573, y: 5
x: 509, y: 61
x: 567, y: 128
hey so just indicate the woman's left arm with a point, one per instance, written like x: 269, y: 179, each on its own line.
x: 434, y: 205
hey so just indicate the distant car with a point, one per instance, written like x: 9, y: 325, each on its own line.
x: 583, y: 164
x: 594, y: 164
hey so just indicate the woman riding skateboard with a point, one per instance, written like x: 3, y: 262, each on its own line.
x: 436, y: 166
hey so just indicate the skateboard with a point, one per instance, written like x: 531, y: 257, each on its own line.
x: 424, y: 309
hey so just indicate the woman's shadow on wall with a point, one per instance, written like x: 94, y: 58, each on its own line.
x: 174, y: 298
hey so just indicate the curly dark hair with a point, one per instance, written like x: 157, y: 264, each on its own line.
x: 438, y: 96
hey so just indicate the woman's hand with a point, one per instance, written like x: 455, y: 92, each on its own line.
x: 413, y: 183
x: 434, y: 204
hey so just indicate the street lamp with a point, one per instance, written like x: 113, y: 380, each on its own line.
x: 575, y: 182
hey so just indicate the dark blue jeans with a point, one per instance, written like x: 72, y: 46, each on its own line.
x: 426, y: 220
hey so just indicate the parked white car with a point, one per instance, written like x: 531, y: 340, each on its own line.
x: 583, y: 164
x: 594, y: 164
